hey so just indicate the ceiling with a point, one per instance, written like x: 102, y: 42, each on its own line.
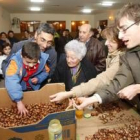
x: 62, y: 6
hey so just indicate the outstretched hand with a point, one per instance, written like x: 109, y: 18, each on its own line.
x: 21, y: 108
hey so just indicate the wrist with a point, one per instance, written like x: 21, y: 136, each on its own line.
x: 137, y: 88
x: 69, y: 94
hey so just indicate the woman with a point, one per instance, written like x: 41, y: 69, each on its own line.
x: 75, y: 69
x: 115, y: 48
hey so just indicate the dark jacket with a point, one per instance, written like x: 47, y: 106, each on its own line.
x: 51, y: 51
x: 62, y: 74
x: 13, y: 40
x: 129, y: 73
x: 96, y: 54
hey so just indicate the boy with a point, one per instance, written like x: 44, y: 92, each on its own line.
x: 26, y: 71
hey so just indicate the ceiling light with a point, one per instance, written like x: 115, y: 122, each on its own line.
x: 35, y: 9
x: 107, y: 3
x: 37, y: 1
x: 87, y: 11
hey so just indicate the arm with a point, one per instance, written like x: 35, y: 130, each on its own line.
x: 12, y: 83
x: 122, y: 79
x: 52, y: 60
x: 100, y: 63
x: 43, y: 75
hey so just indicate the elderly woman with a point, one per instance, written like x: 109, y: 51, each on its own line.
x: 75, y: 69
x: 115, y: 49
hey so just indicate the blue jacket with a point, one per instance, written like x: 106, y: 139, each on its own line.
x: 14, y: 83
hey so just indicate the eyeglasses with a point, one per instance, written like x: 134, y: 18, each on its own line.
x: 124, y: 30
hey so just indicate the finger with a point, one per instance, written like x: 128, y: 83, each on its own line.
x: 54, y: 100
x: 75, y: 105
x: 53, y: 96
x: 25, y: 112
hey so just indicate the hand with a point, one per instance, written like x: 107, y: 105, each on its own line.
x: 128, y: 92
x: 34, y: 80
x: 58, y: 97
x: 84, y: 102
x: 21, y: 108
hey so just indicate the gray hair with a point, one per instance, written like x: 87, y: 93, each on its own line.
x: 77, y: 47
x: 45, y: 27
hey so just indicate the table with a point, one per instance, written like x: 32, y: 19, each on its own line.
x: 88, y: 126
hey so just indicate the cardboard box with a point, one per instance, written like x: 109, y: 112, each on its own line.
x: 39, y: 130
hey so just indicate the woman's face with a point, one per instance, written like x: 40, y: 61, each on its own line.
x: 112, y: 45
x: 72, y: 59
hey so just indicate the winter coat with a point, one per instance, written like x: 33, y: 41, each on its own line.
x: 14, y: 82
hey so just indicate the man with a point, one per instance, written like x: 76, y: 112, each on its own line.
x: 95, y: 51
x: 126, y: 83
x: 44, y: 38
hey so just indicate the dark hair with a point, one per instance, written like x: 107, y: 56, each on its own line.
x: 3, y: 33
x: 130, y: 10
x: 67, y: 30
x: 95, y: 32
x: 4, y: 45
x: 45, y: 27
x: 112, y: 32
x: 31, y: 50
x: 10, y: 31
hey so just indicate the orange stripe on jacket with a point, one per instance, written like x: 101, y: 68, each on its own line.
x: 12, y: 68
x: 47, y: 68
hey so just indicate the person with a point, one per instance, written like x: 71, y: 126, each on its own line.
x: 3, y: 38
x: 60, y: 44
x: 6, y: 49
x: 94, y: 32
x: 44, y: 38
x: 95, y: 51
x: 75, y: 68
x: 126, y: 82
x: 26, y: 71
x: 12, y: 38
x: 116, y: 49
x: 27, y: 35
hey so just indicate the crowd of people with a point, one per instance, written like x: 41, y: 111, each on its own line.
x: 88, y: 71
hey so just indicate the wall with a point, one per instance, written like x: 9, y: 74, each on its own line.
x: 44, y: 17
x: 5, y: 22
x: 110, y: 16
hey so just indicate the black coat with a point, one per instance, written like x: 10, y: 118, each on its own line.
x: 62, y: 74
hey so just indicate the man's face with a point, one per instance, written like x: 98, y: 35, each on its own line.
x: 44, y: 40
x: 84, y: 34
x: 130, y: 36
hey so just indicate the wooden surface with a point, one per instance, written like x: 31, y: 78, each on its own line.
x: 88, y: 126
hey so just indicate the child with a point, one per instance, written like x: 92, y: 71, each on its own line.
x: 26, y: 70
x: 6, y: 49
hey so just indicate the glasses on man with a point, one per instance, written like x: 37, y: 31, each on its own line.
x: 124, y: 30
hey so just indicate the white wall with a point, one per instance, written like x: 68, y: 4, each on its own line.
x: 5, y: 22
x: 60, y: 17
